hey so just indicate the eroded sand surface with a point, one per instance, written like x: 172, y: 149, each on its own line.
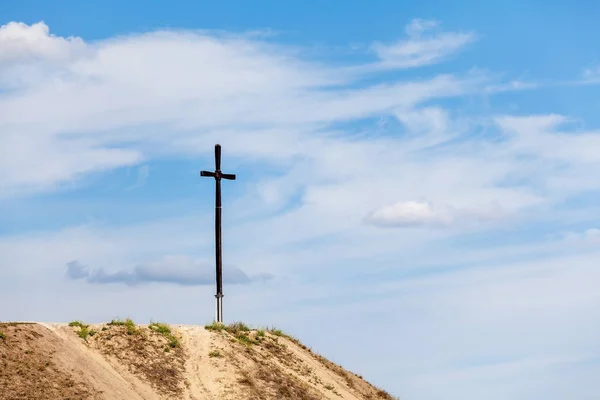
x: 51, y: 361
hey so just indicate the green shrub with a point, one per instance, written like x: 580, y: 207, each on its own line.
x: 173, y: 341
x: 84, y: 331
x: 130, y: 325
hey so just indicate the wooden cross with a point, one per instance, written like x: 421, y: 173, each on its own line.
x: 218, y: 175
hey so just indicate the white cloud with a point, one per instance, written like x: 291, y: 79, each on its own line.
x: 30, y: 54
x: 20, y: 42
x: 406, y: 213
x: 415, y: 213
x: 420, y: 50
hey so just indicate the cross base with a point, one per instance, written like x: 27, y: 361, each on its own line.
x: 219, y: 307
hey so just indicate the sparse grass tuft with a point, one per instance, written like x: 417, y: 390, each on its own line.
x: 237, y: 327
x: 382, y: 394
x: 243, y: 338
x: 279, y: 333
x: 247, y: 380
x: 128, y: 323
x: 2, y: 336
x: 215, y: 353
x: 215, y: 326
x: 260, y: 333
x: 160, y: 327
x: 165, y: 330
x: 239, y: 330
x: 276, y: 332
x: 77, y: 323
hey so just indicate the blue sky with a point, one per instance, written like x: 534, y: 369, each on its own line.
x: 416, y: 195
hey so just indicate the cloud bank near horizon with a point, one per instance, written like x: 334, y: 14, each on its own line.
x: 179, y: 270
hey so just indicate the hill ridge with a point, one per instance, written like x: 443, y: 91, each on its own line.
x: 123, y: 360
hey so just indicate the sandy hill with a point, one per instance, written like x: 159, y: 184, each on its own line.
x: 121, y: 360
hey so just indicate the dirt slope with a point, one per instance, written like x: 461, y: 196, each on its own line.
x: 120, y: 360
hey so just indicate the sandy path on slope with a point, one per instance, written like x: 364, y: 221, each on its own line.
x: 116, y: 383
x: 208, y: 377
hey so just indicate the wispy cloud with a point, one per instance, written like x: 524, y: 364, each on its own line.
x: 92, y: 111
x: 418, y: 26
x: 419, y: 49
x: 592, y: 74
x: 143, y: 172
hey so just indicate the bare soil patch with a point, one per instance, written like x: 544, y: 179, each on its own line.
x: 28, y: 369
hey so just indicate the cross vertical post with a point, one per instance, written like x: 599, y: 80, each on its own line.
x: 218, y: 175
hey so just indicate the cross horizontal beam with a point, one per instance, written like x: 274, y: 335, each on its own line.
x: 218, y: 175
